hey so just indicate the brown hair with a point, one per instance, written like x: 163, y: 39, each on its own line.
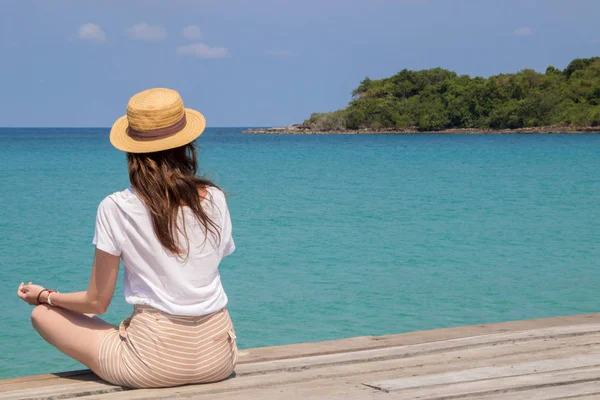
x: 166, y: 180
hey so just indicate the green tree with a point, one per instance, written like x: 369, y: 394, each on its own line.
x: 438, y: 99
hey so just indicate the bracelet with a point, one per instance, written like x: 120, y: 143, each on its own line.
x: 39, y: 294
x: 48, y: 299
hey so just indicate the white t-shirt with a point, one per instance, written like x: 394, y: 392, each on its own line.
x: 153, y: 275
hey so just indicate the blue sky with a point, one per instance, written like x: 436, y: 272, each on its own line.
x: 262, y: 62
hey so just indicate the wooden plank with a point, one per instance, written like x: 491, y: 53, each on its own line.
x: 84, y: 374
x: 363, y: 356
x: 301, y: 392
x: 346, y: 388
x: 325, y: 388
x: 501, y: 354
x: 432, y: 363
x: 342, y: 389
x: 60, y: 391
x: 580, y: 391
x: 372, y: 342
x: 424, y: 353
x: 420, y: 349
x: 390, y: 367
x: 524, y: 368
x: 502, y: 384
x: 73, y: 379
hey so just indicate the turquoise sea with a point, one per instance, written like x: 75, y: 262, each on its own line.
x: 337, y: 236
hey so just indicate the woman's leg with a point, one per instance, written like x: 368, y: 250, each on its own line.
x: 75, y: 334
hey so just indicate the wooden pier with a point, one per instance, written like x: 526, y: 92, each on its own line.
x: 553, y: 358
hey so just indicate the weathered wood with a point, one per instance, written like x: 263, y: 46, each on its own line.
x: 488, y: 374
x: 420, y: 349
x: 373, y: 342
x: 483, y: 360
x: 508, y: 384
x: 348, y: 388
x: 580, y: 391
x: 388, y: 369
x: 60, y: 391
x: 80, y: 375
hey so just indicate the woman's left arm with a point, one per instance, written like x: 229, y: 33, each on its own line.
x: 100, y: 290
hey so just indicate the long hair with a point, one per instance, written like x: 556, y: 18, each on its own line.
x: 166, y: 181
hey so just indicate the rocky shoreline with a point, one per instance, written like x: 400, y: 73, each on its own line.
x: 307, y: 130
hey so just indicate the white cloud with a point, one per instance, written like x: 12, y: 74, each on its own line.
x: 91, y: 32
x: 192, y: 33
x: 202, y: 50
x: 524, y: 31
x: 278, y: 53
x: 144, y: 31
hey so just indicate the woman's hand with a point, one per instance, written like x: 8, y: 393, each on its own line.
x: 29, y: 293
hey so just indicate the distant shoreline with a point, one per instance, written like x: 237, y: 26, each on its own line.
x: 300, y: 130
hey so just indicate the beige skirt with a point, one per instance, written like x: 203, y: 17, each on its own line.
x: 156, y: 349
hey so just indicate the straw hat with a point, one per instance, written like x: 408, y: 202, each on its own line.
x: 156, y: 120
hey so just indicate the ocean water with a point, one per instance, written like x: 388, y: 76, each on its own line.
x: 337, y: 236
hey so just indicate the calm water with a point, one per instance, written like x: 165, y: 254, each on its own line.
x: 337, y: 236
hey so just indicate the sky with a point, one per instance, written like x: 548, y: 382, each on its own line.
x: 76, y: 63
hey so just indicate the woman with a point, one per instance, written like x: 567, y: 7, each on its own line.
x: 171, y: 229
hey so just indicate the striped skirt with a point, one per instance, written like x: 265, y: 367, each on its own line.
x: 156, y: 349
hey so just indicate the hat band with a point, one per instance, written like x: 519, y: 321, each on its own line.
x: 156, y: 134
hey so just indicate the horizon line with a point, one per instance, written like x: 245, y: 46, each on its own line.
x: 108, y: 127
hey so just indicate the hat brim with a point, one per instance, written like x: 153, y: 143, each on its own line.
x: 195, y: 125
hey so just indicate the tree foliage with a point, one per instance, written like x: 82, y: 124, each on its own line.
x: 437, y: 99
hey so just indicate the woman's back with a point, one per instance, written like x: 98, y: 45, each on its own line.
x: 187, y: 284
x: 171, y: 229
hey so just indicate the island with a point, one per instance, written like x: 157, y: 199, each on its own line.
x: 438, y: 100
